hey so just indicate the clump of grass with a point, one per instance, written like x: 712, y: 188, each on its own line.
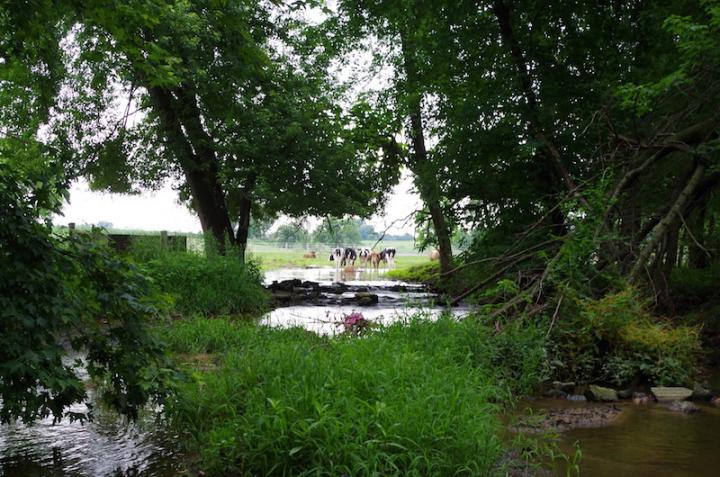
x: 410, y: 399
x: 210, y: 286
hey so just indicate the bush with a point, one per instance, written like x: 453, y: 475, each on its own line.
x: 615, y: 340
x: 58, y: 294
x: 691, y: 287
x: 425, y: 273
x: 410, y: 399
x: 214, y: 285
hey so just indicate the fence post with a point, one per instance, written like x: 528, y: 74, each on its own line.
x: 163, y: 239
x: 71, y: 228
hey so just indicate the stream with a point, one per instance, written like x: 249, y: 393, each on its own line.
x: 109, y: 447
x: 647, y: 440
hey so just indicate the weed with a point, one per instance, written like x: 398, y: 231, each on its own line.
x: 410, y: 399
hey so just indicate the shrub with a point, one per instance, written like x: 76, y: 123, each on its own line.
x: 214, y: 285
x: 614, y: 339
x: 61, y: 293
x: 409, y: 399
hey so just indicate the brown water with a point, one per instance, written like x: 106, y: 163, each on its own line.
x: 650, y: 440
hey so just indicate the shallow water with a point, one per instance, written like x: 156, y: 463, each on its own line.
x: 394, y: 306
x: 651, y: 441
x: 105, y: 447
x: 328, y: 275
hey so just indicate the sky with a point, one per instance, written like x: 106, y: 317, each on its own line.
x: 160, y: 210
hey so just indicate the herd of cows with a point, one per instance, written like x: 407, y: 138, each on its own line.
x: 346, y: 257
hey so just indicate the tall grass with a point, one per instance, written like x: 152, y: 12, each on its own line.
x: 413, y: 399
x: 206, y: 285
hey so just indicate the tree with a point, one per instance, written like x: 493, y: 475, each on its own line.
x: 241, y: 110
x: 338, y: 232
x: 404, y: 24
x: 291, y: 233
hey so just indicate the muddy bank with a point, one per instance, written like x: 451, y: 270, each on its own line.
x: 561, y: 419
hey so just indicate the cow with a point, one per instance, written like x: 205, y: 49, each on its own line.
x: 336, y: 255
x: 389, y: 254
x: 364, y: 254
x: 434, y: 255
x: 374, y: 260
x: 310, y: 254
x: 343, y: 256
x: 349, y: 257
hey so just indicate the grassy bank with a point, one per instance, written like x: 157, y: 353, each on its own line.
x: 412, y: 399
x: 195, y: 284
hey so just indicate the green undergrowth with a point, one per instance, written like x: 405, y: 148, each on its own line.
x: 616, y: 340
x: 422, y: 273
x: 203, y: 285
x: 419, y: 398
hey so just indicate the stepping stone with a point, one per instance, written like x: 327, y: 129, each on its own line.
x: 666, y: 393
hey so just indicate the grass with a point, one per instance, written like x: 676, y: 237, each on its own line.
x: 200, y: 285
x: 411, y: 399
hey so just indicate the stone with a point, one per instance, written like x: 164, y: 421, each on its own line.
x: 555, y: 393
x: 641, y: 398
x: 366, y: 299
x: 667, y: 393
x: 285, y: 285
x: 625, y: 393
x: 701, y: 393
x: 576, y: 397
x: 686, y: 407
x: 599, y: 393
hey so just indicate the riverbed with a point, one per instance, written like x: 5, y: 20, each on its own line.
x: 650, y: 440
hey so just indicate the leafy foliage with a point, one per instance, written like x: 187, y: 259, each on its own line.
x: 60, y: 295
x: 615, y: 340
x: 212, y: 285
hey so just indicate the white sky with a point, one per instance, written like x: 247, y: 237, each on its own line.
x: 160, y: 210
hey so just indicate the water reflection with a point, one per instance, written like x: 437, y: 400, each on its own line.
x: 105, y: 447
x: 651, y: 441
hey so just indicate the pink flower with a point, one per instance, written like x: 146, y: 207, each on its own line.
x: 355, y: 322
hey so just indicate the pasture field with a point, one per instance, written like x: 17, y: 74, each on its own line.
x: 272, y: 257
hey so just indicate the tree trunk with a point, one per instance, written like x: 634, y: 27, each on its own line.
x: 698, y: 255
x: 244, y: 215
x: 420, y: 165
x: 192, y: 149
x: 658, y: 233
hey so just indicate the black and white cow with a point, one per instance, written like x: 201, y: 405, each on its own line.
x: 388, y: 256
x: 336, y: 255
x: 343, y: 256
x: 364, y: 255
